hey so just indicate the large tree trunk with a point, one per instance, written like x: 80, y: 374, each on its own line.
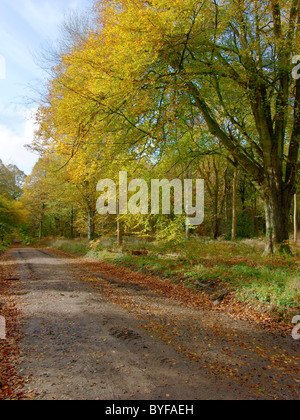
x: 269, y: 168
x: 280, y: 214
x: 277, y: 208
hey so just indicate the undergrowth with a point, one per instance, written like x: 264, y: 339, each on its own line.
x: 211, y: 266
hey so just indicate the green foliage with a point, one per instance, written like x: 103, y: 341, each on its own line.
x: 72, y: 247
x: 171, y: 230
x: 11, y: 181
x: 12, y: 214
x: 170, y: 90
x: 277, y: 287
x: 210, y: 267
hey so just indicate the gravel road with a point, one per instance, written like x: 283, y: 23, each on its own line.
x: 80, y: 344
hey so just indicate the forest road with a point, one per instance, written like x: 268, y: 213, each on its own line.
x: 80, y: 344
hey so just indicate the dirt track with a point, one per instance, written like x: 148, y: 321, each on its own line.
x: 81, y: 343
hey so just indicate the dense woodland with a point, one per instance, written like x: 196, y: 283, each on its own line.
x: 13, y: 215
x: 187, y: 89
x: 137, y: 303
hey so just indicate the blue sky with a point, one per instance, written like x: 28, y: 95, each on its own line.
x: 26, y: 26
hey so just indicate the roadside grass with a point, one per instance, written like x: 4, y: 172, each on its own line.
x: 72, y: 247
x: 217, y: 268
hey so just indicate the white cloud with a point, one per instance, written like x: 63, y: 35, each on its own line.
x: 24, y: 26
x: 12, y: 146
x: 13, y: 115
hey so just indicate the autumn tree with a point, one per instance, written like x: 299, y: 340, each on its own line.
x: 234, y: 59
x: 48, y: 200
x: 11, y: 180
x: 12, y: 215
x: 145, y: 67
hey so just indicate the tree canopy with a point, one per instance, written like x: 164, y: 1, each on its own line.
x: 12, y: 213
x: 151, y: 78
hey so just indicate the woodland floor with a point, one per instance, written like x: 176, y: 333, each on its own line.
x: 83, y: 329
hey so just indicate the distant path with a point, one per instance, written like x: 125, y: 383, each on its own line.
x: 90, y: 336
